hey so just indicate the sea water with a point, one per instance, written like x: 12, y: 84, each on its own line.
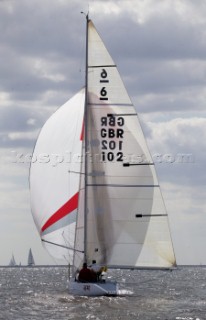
x: 41, y: 293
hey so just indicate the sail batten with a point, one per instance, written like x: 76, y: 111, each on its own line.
x: 103, y: 66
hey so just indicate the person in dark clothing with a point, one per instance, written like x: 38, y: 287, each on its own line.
x: 85, y: 274
x: 96, y: 270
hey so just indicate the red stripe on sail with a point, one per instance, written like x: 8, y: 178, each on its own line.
x: 82, y: 132
x: 67, y: 208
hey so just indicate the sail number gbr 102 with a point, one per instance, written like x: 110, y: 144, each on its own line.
x: 112, y: 138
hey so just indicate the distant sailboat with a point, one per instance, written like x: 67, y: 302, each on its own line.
x: 12, y: 262
x: 105, y: 202
x: 30, y: 259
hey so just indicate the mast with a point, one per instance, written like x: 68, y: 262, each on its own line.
x: 86, y: 142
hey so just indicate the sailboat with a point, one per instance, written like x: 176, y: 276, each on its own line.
x: 30, y: 259
x: 94, y: 189
x: 12, y: 262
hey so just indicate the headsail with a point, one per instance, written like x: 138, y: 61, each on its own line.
x: 127, y: 221
x: 55, y: 176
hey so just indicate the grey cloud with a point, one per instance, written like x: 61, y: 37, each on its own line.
x: 35, y: 29
x: 8, y: 143
x: 145, y: 53
x: 167, y: 36
x: 32, y: 33
x: 17, y: 119
x: 181, y: 146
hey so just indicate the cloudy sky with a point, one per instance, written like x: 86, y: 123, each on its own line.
x: 160, y: 49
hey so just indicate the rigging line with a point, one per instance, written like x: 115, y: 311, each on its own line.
x: 65, y: 240
x: 62, y: 246
x: 79, y: 257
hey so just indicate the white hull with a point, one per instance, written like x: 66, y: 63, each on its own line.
x: 107, y: 288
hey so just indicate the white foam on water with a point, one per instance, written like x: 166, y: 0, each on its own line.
x: 124, y: 292
x: 186, y: 318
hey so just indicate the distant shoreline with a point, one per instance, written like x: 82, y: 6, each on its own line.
x: 37, y: 266
x: 66, y: 266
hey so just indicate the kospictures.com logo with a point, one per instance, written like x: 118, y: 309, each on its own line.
x: 55, y: 159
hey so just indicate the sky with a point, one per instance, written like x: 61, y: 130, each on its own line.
x: 159, y: 47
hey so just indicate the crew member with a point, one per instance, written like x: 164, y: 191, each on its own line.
x: 85, y: 274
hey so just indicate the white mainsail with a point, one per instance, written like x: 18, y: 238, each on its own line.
x: 127, y: 223
x: 55, y: 176
x: 30, y: 258
x: 12, y: 262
